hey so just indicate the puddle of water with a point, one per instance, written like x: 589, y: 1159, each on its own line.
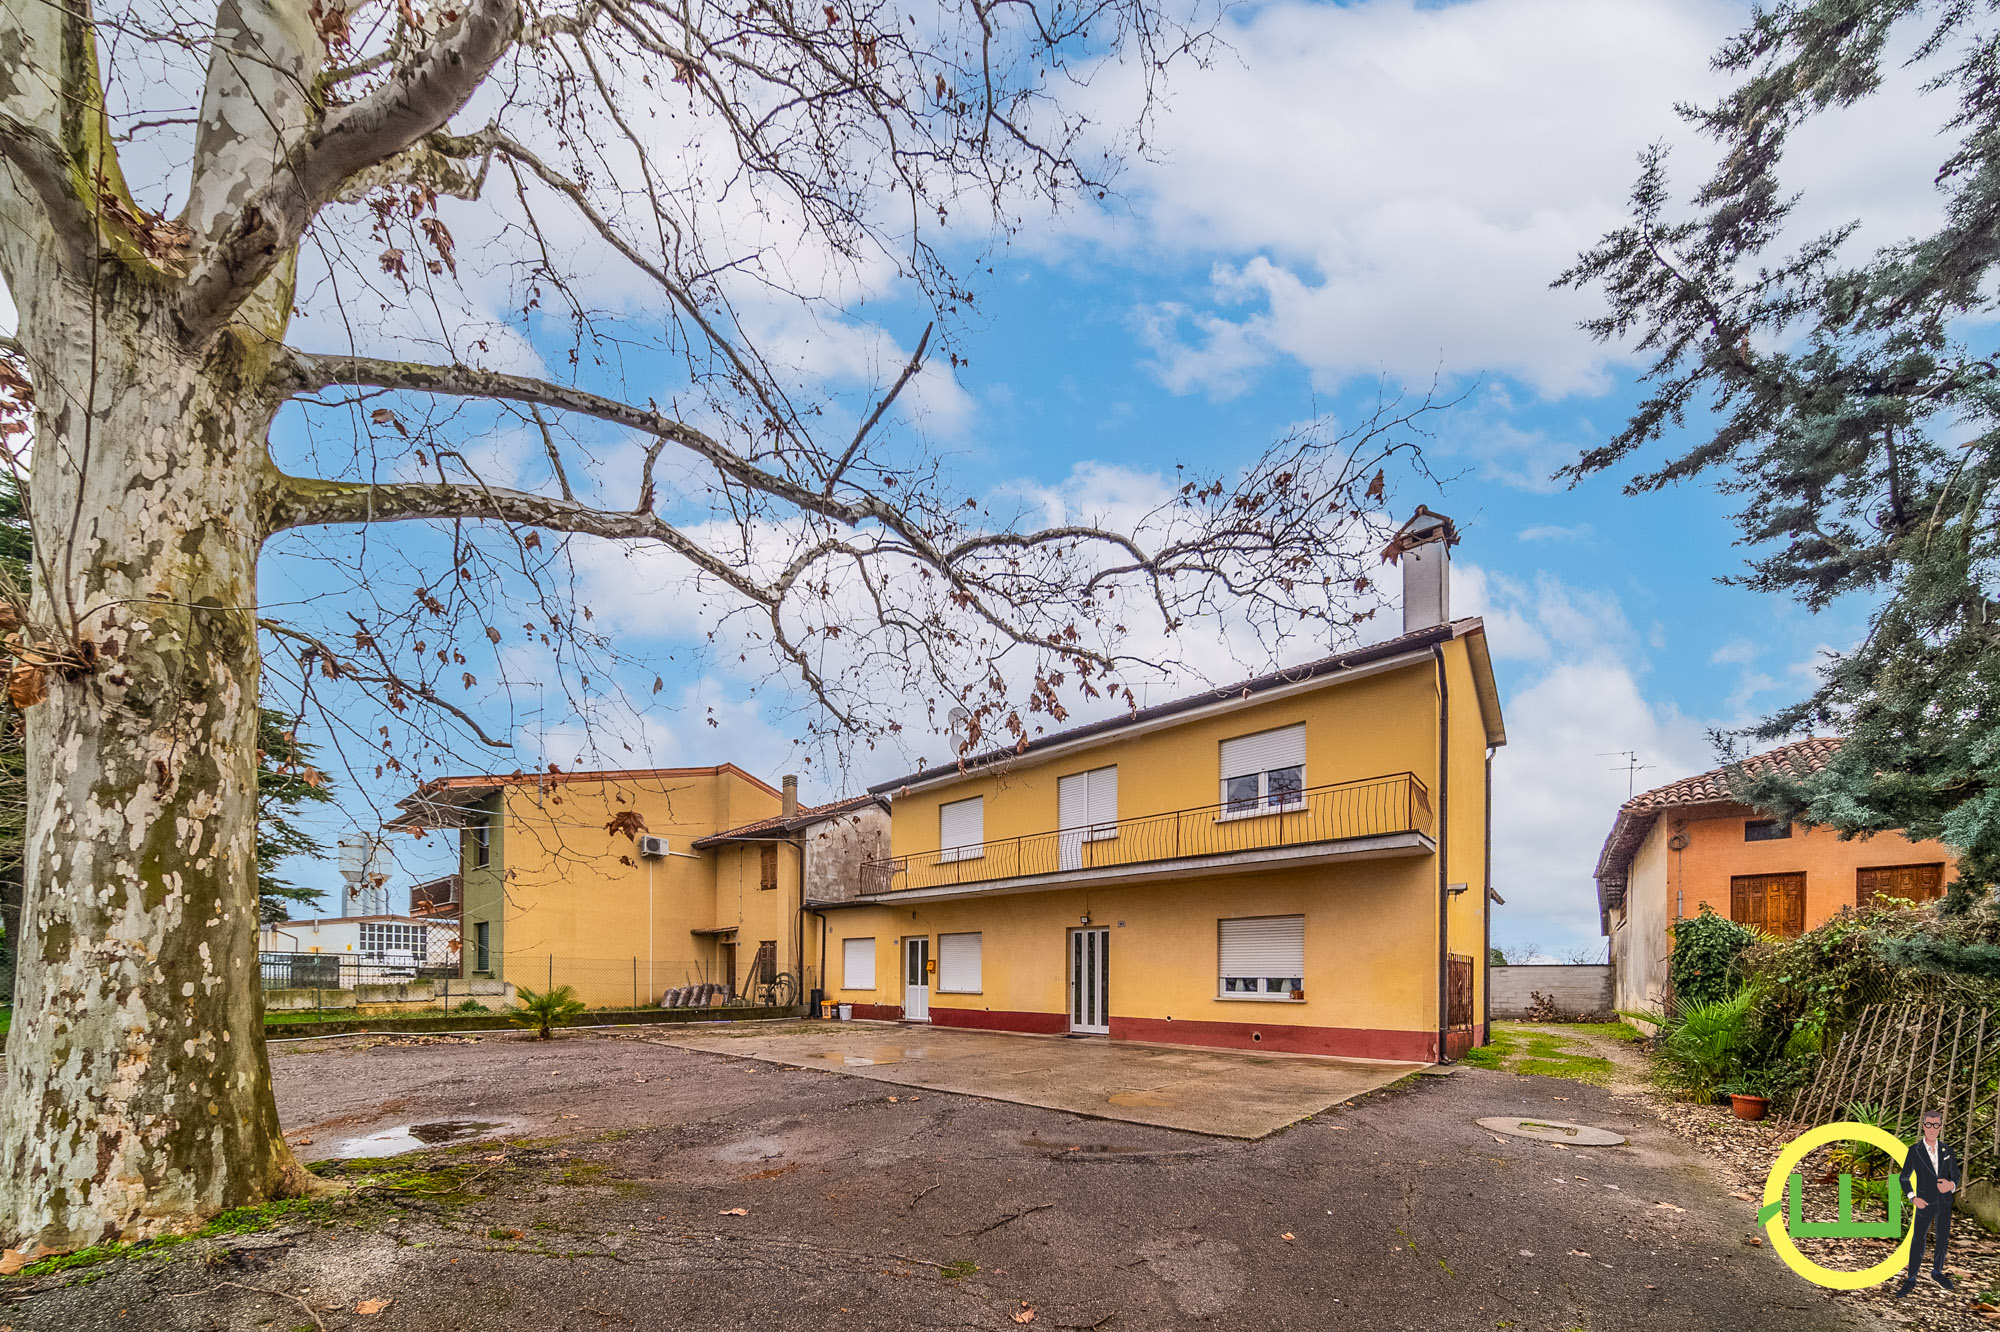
x: 886, y: 1054
x: 751, y: 1149
x: 415, y: 1137
x: 1143, y: 1099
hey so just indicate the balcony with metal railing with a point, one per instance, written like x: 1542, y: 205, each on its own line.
x: 1374, y: 818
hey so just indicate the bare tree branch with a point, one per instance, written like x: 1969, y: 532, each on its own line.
x: 415, y: 101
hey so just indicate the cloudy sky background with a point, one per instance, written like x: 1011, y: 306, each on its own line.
x: 1355, y: 199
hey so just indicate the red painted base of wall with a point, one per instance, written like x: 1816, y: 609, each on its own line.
x: 1353, y: 1042
x: 880, y: 1012
x: 989, y: 1019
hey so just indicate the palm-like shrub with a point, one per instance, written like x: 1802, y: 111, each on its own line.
x: 544, y: 1009
x: 1705, y: 1045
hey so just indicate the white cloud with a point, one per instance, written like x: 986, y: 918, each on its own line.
x: 1550, y: 532
x: 1389, y: 187
x: 1559, y: 781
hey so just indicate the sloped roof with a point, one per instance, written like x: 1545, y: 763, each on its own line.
x: 806, y: 817
x: 1637, y: 816
x: 433, y: 803
x: 1326, y: 668
x: 1801, y: 757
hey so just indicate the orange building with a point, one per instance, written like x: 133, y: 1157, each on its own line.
x: 1686, y: 844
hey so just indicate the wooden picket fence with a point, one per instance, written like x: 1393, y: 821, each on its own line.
x: 1909, y: 1057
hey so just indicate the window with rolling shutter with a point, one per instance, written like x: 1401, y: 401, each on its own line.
x: 857, y: 964
x: 962, y: 829
x: 1263, y: 772
x: 1263, y: 957
x: 958, y: 963
x: 1088, y: 802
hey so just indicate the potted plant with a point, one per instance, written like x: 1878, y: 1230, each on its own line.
x: 1749, y: 1095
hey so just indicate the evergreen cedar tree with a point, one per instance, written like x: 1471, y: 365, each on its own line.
x: 671, y: 159
x: 1849, y: 398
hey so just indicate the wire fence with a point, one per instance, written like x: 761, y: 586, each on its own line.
x: 304, y: 986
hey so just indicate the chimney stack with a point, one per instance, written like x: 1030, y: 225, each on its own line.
x: 791, y: 806
x: 1423, y: 548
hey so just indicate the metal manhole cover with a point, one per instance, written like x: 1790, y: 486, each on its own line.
x: 1553, y: 1130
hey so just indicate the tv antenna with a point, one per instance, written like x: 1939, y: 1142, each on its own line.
x: 1631, y: 767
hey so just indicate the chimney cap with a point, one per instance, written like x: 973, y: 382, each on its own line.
x: 1423, y: 528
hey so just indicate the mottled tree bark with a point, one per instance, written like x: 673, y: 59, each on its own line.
x: 137, y: 1095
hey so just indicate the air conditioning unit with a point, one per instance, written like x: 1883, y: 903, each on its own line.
x: 653, y: 846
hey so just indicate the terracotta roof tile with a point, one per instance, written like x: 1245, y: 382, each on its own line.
x: 807, y: 815
x: 1706, y: 788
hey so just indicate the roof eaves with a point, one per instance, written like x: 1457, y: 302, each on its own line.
x: 1245, y: 691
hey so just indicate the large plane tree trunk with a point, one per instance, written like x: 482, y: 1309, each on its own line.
x: 137, y: 1095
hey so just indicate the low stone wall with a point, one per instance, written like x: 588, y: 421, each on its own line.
x: 394, y: 997
x: 1578, y: 991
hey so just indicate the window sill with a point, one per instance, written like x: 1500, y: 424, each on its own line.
x: 970, y: 992
x: 1256, y: 999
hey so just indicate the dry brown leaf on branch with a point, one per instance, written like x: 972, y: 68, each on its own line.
x: 27, y: 685
x: 626, y: 823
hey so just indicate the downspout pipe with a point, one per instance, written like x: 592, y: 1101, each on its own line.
x: 1443, y: 854
x: 1486, y: 914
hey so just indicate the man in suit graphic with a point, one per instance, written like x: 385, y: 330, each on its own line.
x: 1929, y: 1178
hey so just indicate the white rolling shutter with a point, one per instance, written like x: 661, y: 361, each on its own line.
x: 1263, y: 955
x: 1103, y: 803
x: 962, y: 829
x: 1247, y: 754
x: 857, y: 964
x: 1089, y: 800
x: 958, y: 963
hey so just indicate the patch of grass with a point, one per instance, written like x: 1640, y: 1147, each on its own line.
x: 1540, y: 1052
x: 1616, y: 1031
x: 957, y: 1269
x: 236, y: 1221
x: 587, y: 1172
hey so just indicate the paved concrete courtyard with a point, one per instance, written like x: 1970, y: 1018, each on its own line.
x: 1226, y: 1093
x: 615, y: 1182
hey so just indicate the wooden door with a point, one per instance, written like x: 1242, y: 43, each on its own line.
x: 1459, y: 991
x: 1773, y: 903
x: 1918, y: 883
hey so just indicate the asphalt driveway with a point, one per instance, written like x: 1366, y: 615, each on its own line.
x: 693, y: 1190
x: 1227, y: 1093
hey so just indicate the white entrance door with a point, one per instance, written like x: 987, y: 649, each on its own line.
x: 1090, y: 980
x: 917, y: 979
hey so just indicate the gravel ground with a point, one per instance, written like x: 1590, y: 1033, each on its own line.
x: 1741, y: 1153
x: 644, y: 1186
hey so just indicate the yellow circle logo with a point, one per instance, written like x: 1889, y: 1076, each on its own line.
x: 1772, y: 1213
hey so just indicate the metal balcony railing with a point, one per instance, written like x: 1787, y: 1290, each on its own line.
x: 1372, y: 807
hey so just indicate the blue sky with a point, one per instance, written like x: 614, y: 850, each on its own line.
x: 1373, y: 194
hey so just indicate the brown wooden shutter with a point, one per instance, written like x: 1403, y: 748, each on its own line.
x: 768, y: 868
x: 1774, y: 903
x: 1919, y: 883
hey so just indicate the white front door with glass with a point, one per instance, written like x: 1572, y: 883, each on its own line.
x: 917, y: 979
x: 1090, y: 980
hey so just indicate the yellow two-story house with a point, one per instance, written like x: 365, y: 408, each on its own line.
x: 631, y: 887
x: 1294, y: 863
